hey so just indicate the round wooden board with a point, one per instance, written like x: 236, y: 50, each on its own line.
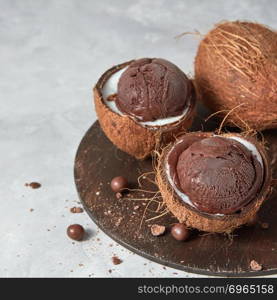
x: 127, y: 221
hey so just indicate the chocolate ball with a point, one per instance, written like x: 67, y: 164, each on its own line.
x: 119, y: 183
x: 76, y: 232
x: 180, y: 232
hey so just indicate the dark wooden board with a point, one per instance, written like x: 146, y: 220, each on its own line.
x: 98, y: 161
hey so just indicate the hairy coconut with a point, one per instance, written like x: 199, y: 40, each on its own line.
x: 192, y: 217
x: 127, y: 133
x: 236, y: 74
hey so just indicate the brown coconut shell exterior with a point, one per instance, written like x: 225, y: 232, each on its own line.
x: 193, y: 218
x: 127, y: 134
x: 236, y: 73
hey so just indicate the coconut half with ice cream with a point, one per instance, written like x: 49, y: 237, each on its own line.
x: 142, y: 104
x: 214, y: 183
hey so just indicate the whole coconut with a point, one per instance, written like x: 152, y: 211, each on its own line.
x: 236, y: 74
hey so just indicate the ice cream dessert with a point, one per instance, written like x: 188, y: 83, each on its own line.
x: 153, y: 89
x: 142, y: 104
x: 219, y: 175
x: 214, y: 183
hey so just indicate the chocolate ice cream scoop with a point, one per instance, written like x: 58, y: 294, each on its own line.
x: 219, y: 175
x: 151, y: 89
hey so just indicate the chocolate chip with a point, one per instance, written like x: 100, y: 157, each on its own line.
x: 76, y: 210
x: 255, y: 266
x: 180, y: 232
x: 157, y: 230
x: 76, y: 232
x: 33, y: 185
x: 116, y: 260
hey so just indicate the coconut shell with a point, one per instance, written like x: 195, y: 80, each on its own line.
x: 236, y: 74
x: 128, y: 134
x: 194, y: 218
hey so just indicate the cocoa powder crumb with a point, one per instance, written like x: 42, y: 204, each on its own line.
x: 33, y: 185
x: 107, y: 213
x: 116, y: 260
x: 118, y: 221
x: 255, y: 266
x: 76, y: 210
x: 31, y: 209
x: 118, y: 195
x: 157, y: 230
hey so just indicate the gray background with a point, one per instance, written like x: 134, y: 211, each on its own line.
x: 51, y: 54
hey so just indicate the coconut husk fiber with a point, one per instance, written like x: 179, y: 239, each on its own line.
x: 194, y: 218
x: 236, y: 74
x: 126, y: 133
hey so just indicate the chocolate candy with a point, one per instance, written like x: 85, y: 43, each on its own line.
x: 119, y: 183
x: 180, y: 232
x: 76, y: 232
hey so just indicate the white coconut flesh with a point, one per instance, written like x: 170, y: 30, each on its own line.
x: 110, y: 88
x: 251, y: 147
